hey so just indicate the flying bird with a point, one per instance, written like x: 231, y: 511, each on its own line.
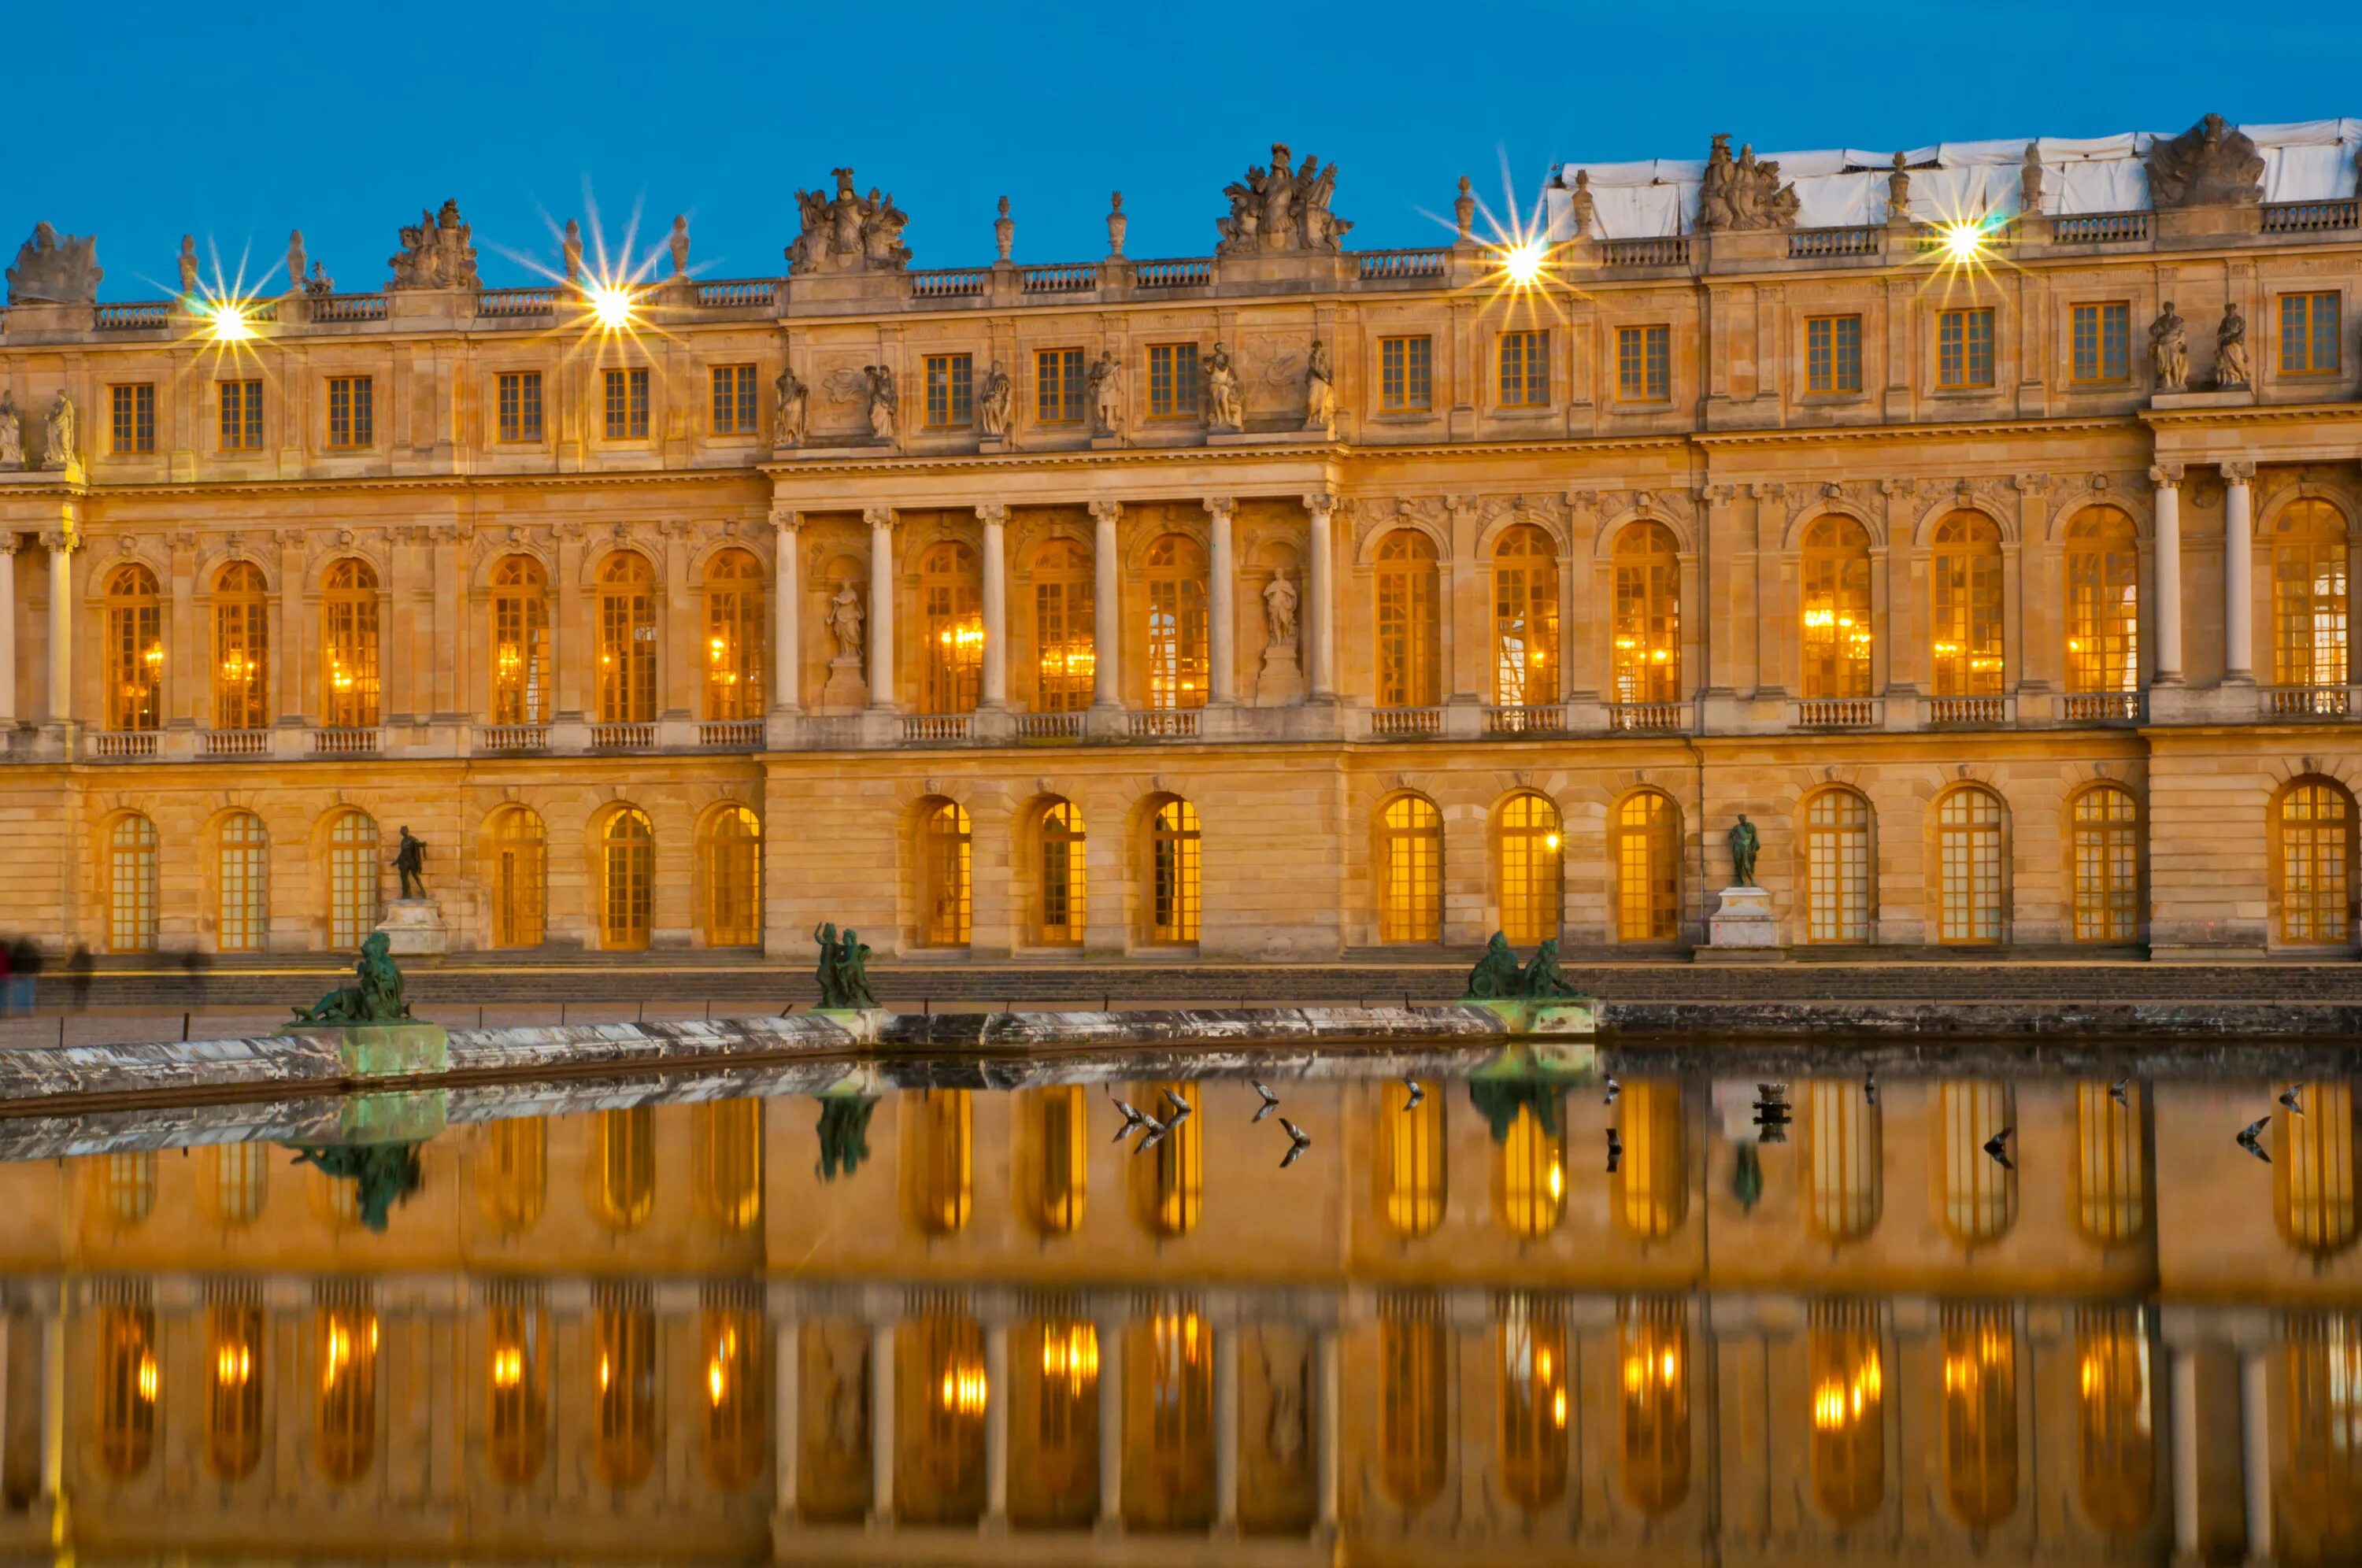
x: 1132, y: 1117
x: 2253, y: 1131
x: 1156, y: 1131
x: 1298, y: 1140
x: 1870, y: 1086
x: 1180, y: 1111
x: 1998, y: 1147
x: 1416, y: 1094
x: 1613, y: 1088
x: 1270, y: 1100
x: 2116, y: 1092
x: 1615, y: 1150
x: 2292, y: 1097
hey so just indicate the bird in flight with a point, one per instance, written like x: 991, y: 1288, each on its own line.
x: 1298, y: 1140
x: 1156, y: 1131
x: 1270, y: 1100
x: 2116, y: 1091
x: 1416, y: 1094
x: 1998, y: 1147
x: 1615, y: 1150
x: 1870, y: 1086
x: 2294, y: 1098
x: 1179, y: 1111
x: 2249, y: 1134
x: 1613, y: 1088
x: 1133, y: 1117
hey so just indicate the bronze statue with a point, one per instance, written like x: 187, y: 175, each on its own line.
x: 842, y: 970
x: 844, y: 1134
x: 410, y: 861
x: 1494, y: 976
x: 376, y: 999
x: 1744, y: 842
x: 1542, y: 978
x: 383, y: 1174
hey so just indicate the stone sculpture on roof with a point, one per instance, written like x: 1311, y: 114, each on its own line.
x: 847, y: 231
x: 1281, y: 208
x: 1740, y: 193
x: 55, y: 268
x: 437, y: 252
x: 2211, y: 164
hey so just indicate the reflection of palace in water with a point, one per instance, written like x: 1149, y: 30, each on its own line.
x: 1445, y: 1334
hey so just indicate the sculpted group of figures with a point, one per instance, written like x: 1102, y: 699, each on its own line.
x: 1498, y: 977
x: 57, y: 451
x: 2169, y: 350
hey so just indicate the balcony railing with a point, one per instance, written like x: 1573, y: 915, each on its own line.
x: 1163, y: 723
x: 1645, y: 715
x: 2311, y: 217
x: 731, y: 734
x: 1049, y: 726
x: 1065, y: 278
x: 1405, y: 724
x: 1662, y: 251
x: 1968, y: 710
x: 2099, y: 228
x: 1813, y: 243
x: 2100, y: 707
x: 122, y: 745
x: 516, y: 302
x: 938, y: 727
x: 343, y: 742
x: 1401, y: 266
x: 134, y: 317
x: 512, y: 738
x: 727, y: 292
x: 349, y: 308
x: 1548, y: 719
x: 1840, y: 714
x: 2307, y: 701
x: 235, y: 743
x: 622, y: 738
x: 1196, y: 272
x: 948, y: 282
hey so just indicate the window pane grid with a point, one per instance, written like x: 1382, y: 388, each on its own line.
x: 1969, y: 857
x: 131, y: 887
x: 1644, y: 363
x: 244, y: 899
x: 241, y: 416
x: 1525, y: 619
x: 734, y: 878
x: 627, y: 885
x: 736, y: 611
x: 1525, y: 369
x: 950, y: 391
x: 352, y: 412
x: 1064, y: 663
x: 241, y: 649
x: 132, y: 411
x: 1058, y: 386
x: 1532, y: 879
x: 626, y: 404
x: 1968, y: 607
x: 349, y: 643
x: 1647, y: 647
x: 1964, y: 347
x: 1177, y: 624
x: 1177, y: 873
x: 2309, y: 334
x: 1407, y: 655
x: 1648, y: 869
x: 135, y: 650
x: 1406, y: 377
x: 2101, y: 337
x: 1837, y: 633
x: 733, y: 400
x: 1837, y: 867
x: 519, y: 397
x: 2316, y: 846
x: 520, y: 643
x: 352, y: 880
x: 2309, y: 596
x: 1172, y: 380
x: 1063, y: 888
x: 518, y: 888
x: 2103, y: 603
x: 627, y: 641
x: 945, y: 866
x: 2107, y: 867
x: 1411, y: 852
x: 1833, y: 354
x: 951, y: 601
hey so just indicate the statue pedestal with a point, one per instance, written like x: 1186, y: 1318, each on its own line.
x: 2221, y: 397
x: 383, y: 1050
x: 1742, y: 929
x: 846, y: 686
x: 1280, y: 681
x: 414, y: 928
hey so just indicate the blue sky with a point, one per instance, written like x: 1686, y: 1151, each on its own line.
x: 238, y: 123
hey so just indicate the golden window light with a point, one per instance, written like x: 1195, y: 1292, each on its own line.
x: 623, y: 1394
x: 2111, y: 1164
x: 1177, y: 873
x: 939, y: 1158
x: 128, y: 1380
x: 517, y: 1411
x: 1055, y: 1154
x: 1525, y: 618
x: 242, y: 883
x: 135, y: 649
x: 1535, y: 1382
x: 519, y: 852
x: 1524, y: 366
x: 234, y: 1182
x: 1063, y: 627
x: 1531, y: 850
x: 511, y: 1172
x: 1414, y: 1401
x: 1843, y: 1176
x: 1645, y: 638
x: 2102, y: 601
x: 1965, y: 575
x: 349, y: 647
x: 1167, y: 1475
x: 737, y: 1405
x: 1650, y: 1192
x: 941, y: 1396
x: 1847, y: 1453
x: 2106, y: 831
x: 2319, y: 1495
x: 1409, y: 638
x: 1168, y: 1187
x: 2115, y: 1445
x: 1413, y: 1160
x: 624, y: 403
x: 352, y: 413
x: 1837, y: 867
x: 1406, y: 374
x: 725, y: 1163
x: 131, y: 886
x: 2316, y: 864
x: 517, y: 396
x: 2312, y: 1170
x: 627, y: 639
x: 241, y: 648
x: 1837, y: 637
x: 345, y: 1414
x: 737, y: 628
x: 730, y: 853
x: 1529, y: 1176
x: 1976, y: 1197
x: 1980, y: 1413
x: 622, y: 1170
x: 2309, y: 605
x: 950, y: 383
x: 352, y: 879
x: 1410, y: 867
x: 627, y: 866
x: 1054, y: 1480
x: 1065, y: 884
x: 1176, y: 623
x: 1969, y: 867
x: 234, y: 1388
x: 1647, y: 861
x: 951, y: 604
x: 521, y: 670
x: 1652, y: 1357
x: 945, y: 851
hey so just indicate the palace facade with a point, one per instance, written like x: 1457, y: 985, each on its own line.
x: 1284, y: 604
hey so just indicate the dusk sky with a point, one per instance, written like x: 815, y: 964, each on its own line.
x: 346, y: 120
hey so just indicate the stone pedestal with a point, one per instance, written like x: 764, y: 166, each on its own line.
x: 1281, y: 681
x: 846, y: 688
x: 413, y: 929
x: 1742, y: 929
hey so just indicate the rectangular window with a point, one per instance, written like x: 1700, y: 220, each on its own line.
x: 2309, y: 335
x: 241, y: 416
x: 1964, y: 343
x: 1172, y: 380
x: 733, y: 400
x: 520, y: 405
x: 1406, y: 379
x: 951, y: 381
x: 1644, y: 364
x: 2102, y: 336
x: 627, y: 405
x: 1525, y: 369
x: 1058, y: 386
x: 352, y: 412
x: 134, y: 423
x: 1833, y: 354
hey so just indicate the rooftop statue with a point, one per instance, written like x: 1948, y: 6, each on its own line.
x: 2211, y: 164
x: 376, y: 999
x: 437, y: 252
x: 54, y: 268
x: 1282, y: 209
x: 848, y: 233
x: 1740, y: 193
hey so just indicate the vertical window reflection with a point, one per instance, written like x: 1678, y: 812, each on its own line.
x: 1843, y: 1182
x: 736, y: 1409
x: 1653, y: 1354
x: 1651, y: 1187
x: 1055, y: 1149
x: 1413, y: 1399
x: 623, y: 1168
x: 513, y: 1172
x: 127, y: 1387
x: 2116, y: 1447
x: 2111, y: 1164
x: 1168, y: 1184
x: 625, y: 1371
x: 939, y: 1403
x: 2313, y: 1169
x: 938, y: 1159
x: 1529, y: 1180
x: 2320, y: 1492
x: 346, y: 1413
x: 1980, y: 1413
x: 1168, y: 1391
x: 517, y: 1412
x: 1054, y: 1480
x: 234, y: 1340
x: 1411, y: 1160
x: 1847, y: 1455
x: 726, y: 1141
x: 1978, y: 1195
x: 1534, y: 1413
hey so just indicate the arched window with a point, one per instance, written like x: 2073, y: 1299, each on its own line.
x: 621, y: 1170
x: 128, y: 1383
x: 1837, y: 867
x: 951, y: 600
x: 517, y: 1428
x: 1837, y: 634
x: 627, y: 639
x: 1054, y: 1367
x: 944, y: 856
x: 1055, y: 1151
x: 2102, y: 601
x: 1969, y: 867
x: 1650, y: 1189
x: 1648, y: 868
x: 737, y: 1409
x: 1176, y: 623
x: 2111, y: 1165
x: 1169, y: 1188
x: 940, y: 1399
x: 736, y: 625
x: 1980, y: 1413
x: 1412, y: 1161
x: 234, y: 1183
x: 352, y: 879
x: 1847, y: 1453
x: 1410, y: 867
x: 1652, y: 1352
x: 1167, y: 1474
x: 2117, y: 1447
x: 731, y: 856
x: 1525, y: 618
x: 345, y: 1415
x: 135, y: 649
x: 626, y: 881
x: 234, y: 1403
x: 131, y: 886
x: 349, y: 647
x: 1176, y: 873
x: 1647, y: 662
x: 123, y: 1185
x: 1976, y: 1195
x: 1531, y: 1336
x: 1064, y: 883
x: 519, y: 898
x: 2107, y: 865
x: 2319, y: 1501
x: 2316, y: 870
x: 1407, y: 651
x: 1966, y: 596
x: 1414, y: 1401
x: 241, y: 648
x: 1064, y: 661
x: 725, y: 1163
x: 1532, y: 877
x: 512, y: 1175
x: 623, y: 1450
x: 939, y: 1158
x: 521, y: 672
x: 1530, y: 1178
x: 2312, y: 1170
x: 242, y: 884
x: 1842, y: 1175
x: 2308, y: 590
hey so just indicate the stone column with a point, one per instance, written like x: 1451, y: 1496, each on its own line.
x: 2167, y: 619
x: 61, y: 543
x: 881, y: 1422
x: 1107, y: 624
x: 2255, y: 1445
x: 1221, y: 605
x: 576, y: 640
x: 996, y: 1418
x: 1881, y: 625
x: 1694, y: 642
x: 1110, y: 1330
x: 1320, y: 617
x: 995, y: 518
x: 8, y: 542
x: 293, y: 609
x: 787, y: 1418
x: 787, y: 608
x: 681, y: 668
x: 882, y: 605
x: 2013, y: 617
x: 1226, y: 1429
x: 2238, y: 574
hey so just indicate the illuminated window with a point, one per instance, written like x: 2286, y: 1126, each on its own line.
x: 1980, y: 1413
x: 1833, y: 353
x: 1172, y: 380
x: 2309, y: 595
x: 951, y: 597
x: 1976, y: 1197
x: 2116, y: 1449
x: 352, y: 879
x: 1648, y: 632
x: 1063, y: 627
x: 940, y: 1397
x: 1056, y: 1153
x: 234, y: 1401
x: 1967, y: 590
x: 2107, y: 865
x: 625, y: 404
x: 949, y: 382
x: 1058, y: 386
x: 1167, y: 1480
x: 2316, y: 862
x: 1406, y: 375
x: 242, y: 885
x: 1524, y: 359
x: 1847, y: 1452
x: 135, y: 649
x: 2312, y: 1170
x: 519, y: 886
x: 1530, y: 1178
x: 737, y: 1408
x: 132, y: 424
x: 733, y: 400
x: 2318, y: 1511
x: 1177, y: 873
x: 518, y: 393
x: 1837, y: 634
x: 1964, y: 348
x: 730, y: 854
x: 1531, y: 869
x: 235, y: 1182
x: 1650, y: 1192
x: 1064, y: 885
x: 520, y: 642
x: 939, y: 1158
x: 1411, y: 1160
x: 1414, y: 1401
x: 349, y: 645
x: 1410, y: 867
x: 1534, y: 1374
x: 944, y: 856
x: 518, y: 1405
x: 624, y: 1449
x: 1842, y: 1151
x: 2101, y: 338
x: 1644, y: 364
x: 1407, y: 651
x: 1168, y: 1189
x: 1837, y: 867
x: 1054, y: 1484
x: 2309, y: 335
x: 1525, y: 618
x: 345, y: 1415
x: 1648, y: 859
x: 621, y: 1168
x: 2111, y: 1167
x: 512, y: 1173
x: 123, y: 1187
x: 1652, y: 1354
x: 241, y: 648
x: 725, y: 1163
x: 241, y: 416
x: 1176, y: 623
x: 737, y: 626
x: 131, y: 886
x: 352, y: 413
x: 128, y: 1380
x: 2102, y: 601
x: 1969, y: 867
x: 627, y: 866
x: 627, y: 639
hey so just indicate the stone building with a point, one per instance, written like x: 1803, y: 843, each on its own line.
x: 1282, y: 604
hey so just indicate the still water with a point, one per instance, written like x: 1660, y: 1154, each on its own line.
x: 956, y: 1313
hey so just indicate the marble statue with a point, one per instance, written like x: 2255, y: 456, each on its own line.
x: 54, y: 268
x: 571, y: 249
x: 2030, y: 180
x: 1117, y: 222
x: 1279, y: 611
x: 188, y: 260
x: 319, y: 285
x: 1744, y: 843
x: 1282, y: 209
x: 994, y: 397
x: 2169, y: 350
x: 375, y: 997
x: 678, y: 245
x: 2211, y: 164
x: 12, y: 433
x: 1583, y: 206
x: 844, y: 968
x: 437, y: 252
x: 1898, y: 189
x: 298, y: 266
x: 60, y: 452
x: 1464, y: 210
x: 2230, y: 350
x: 1224, y: 409
x: 1320, y: 390
x: 1106, y: 379
x: 1739, y: 195
x: 1004, y: 231
x: 883, y: 406
x: 847, y: 231
x: 410, y: 864
x: 794, y: 400
x: 845, y: 617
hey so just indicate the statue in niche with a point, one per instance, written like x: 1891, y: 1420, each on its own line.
x: 437, y: 252
x: 12, y: 433
x: 2230, y: 350
x: 410, y: 864
x: 1282, y: 209
x: 2211, y: 164
x: 1279, y: 611
x: 1744, y: 844
x: 794, y: 400
x: 1741, y: 193
x: 2030, y: 180
x: 882, y: 404
x: 2169, y: 350
x: 54, y: 268
x: 1224, y: 409
x: 188, y: 260
x: 1320, y: 390
x: 298, y: 267
x: 678, y: 245
x: 1106, y: 379
x: 60, y: 451
x: 845, y: 618
x: 993, y: 399
x: 847, y: 232
x: 572, y: 249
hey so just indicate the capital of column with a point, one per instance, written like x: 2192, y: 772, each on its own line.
x: 2166, y: 476
x: 785, y: 519
x: 1322, y: 502
x: 1718, y: 494
x: 2029, y: 484
x: 60, y: 541
x: 879, y: 516
x: 992, y: 513
x: 1220, y: 505
x: 11, y: 543
x: 1106, y: 511
x: 2239, y: 471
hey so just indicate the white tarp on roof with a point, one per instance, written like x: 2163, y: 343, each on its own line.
x: 2307, y: 162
